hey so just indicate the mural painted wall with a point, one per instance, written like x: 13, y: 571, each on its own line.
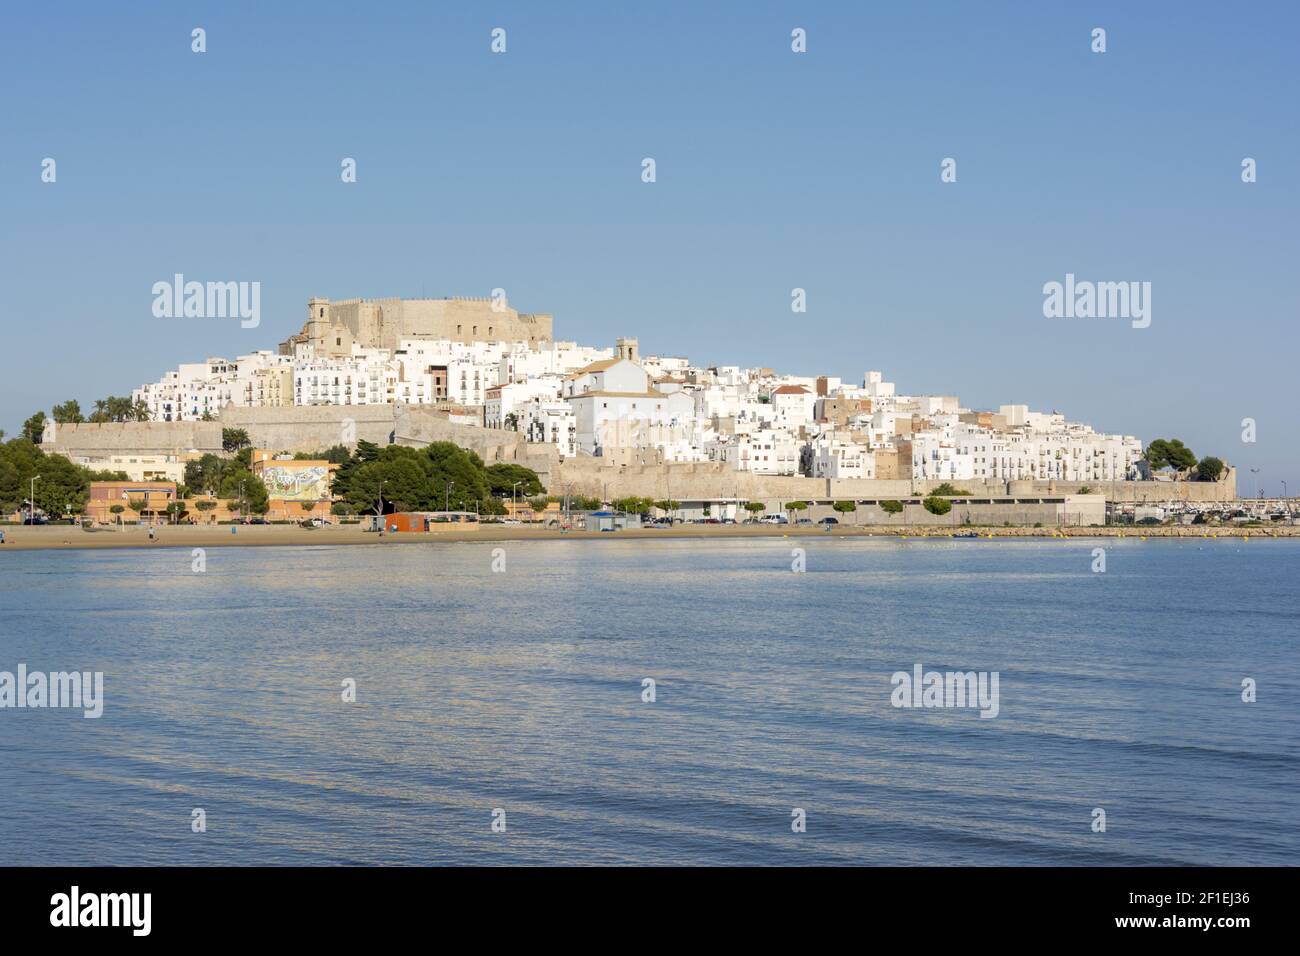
x: 294, y: 482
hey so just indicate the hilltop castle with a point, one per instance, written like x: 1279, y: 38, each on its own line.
x: 332, y: 328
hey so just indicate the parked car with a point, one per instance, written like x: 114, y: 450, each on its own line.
x: 829, y: 520
x: 804, y: 521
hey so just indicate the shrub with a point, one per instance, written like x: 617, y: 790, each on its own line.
x: 937, y: 506
x: 1209, y: 469
x: 891, y: 507
x: 946, y: 490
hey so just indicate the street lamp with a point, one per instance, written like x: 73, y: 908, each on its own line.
x: 514, y: 493
x: 446, y: 506
x: 31, y: 504
x: 379, y: 512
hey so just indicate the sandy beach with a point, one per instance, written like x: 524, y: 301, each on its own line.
x: 18, y: 538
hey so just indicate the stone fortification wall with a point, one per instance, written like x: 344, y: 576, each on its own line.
x: 131, y: 438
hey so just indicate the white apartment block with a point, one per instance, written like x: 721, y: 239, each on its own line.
x: 838, y: 458
x: 502, y: 401
x: 550, y: 422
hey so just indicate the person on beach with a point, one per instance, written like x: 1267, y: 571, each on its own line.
x: 151, y: 537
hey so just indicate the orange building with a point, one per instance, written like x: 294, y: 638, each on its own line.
x: 152, y: 497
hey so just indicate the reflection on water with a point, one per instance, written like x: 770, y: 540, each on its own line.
x: 522, y: 690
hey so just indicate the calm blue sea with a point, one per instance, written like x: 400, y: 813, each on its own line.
x: 521, y: 690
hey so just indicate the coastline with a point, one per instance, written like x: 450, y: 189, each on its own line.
x: 67, y: 537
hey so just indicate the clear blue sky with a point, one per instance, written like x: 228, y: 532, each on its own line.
x: 775, y: 170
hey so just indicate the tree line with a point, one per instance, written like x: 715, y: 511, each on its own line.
x: 442, y: 476
x: 62, y: 488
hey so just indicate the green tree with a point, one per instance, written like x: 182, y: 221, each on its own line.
x: 1169, y: 453
x: 335, y: 455
x: 69, y: 413
x: 242, y: 486
x: 234, y: 439
x: 936, y: 505
x: 34, y: 428
x: 845, y: 507
x: 206, y: 473
x: 501, y: 478
x: 401, y: 483
x: 796, y: 506
x: 754, y: 507
x: 1209, y: 469
x: 62, y: 486
x: 891, y: 507
x: 448, y: 462
x: 946, y: 490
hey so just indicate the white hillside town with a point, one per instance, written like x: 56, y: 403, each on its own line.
x: 625, y: 408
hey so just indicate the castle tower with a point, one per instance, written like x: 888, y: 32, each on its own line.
x: 627, y: 349
x: 318, y: 322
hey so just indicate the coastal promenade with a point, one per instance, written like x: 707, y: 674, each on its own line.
x: 19, y: 538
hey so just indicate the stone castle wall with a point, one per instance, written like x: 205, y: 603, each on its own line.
x: 333, y: 327
x: 128, y: 438
x: 314, y: 428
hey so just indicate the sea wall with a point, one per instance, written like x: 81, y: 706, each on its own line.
x: 313, y: 428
